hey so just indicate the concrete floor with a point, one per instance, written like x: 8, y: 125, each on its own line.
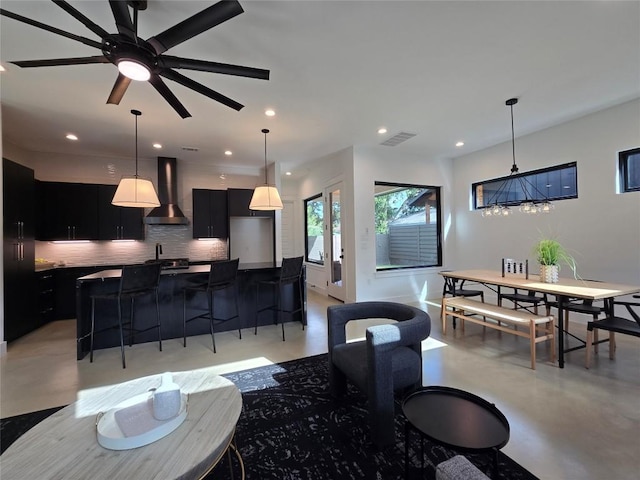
x: 569, y: 423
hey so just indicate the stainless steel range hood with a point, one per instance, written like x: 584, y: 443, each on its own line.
x: 168, y: 213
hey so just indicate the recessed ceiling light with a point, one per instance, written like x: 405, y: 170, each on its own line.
x: 71, y: 136
x: 270, y: 112
x: 460, y: 144
x: 228, y: 152
x: 2, y: 68
x: 223, y: 176
x: 382, y: 130
x: 287, y: 173
x: 157, y: 145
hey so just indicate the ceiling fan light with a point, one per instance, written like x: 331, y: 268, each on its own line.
x: 134, y: 70
x: 265, y: 197
x: 135, y: 192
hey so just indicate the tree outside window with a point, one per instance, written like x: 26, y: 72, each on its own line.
x: 314, y: 229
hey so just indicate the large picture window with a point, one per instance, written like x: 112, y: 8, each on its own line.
x: 629, y: 166
x: 314, y: 229
x: 407, y: 220
x: 554, y: 183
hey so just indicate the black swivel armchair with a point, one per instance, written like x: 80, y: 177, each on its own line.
x: 388, y: 361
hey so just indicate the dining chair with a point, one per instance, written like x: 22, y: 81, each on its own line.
x: 289, y: 277
x: 613, y: 324
x: 222, y: 276
x: 135, y: 281
x: 522, y: 300
x: 452, y: 288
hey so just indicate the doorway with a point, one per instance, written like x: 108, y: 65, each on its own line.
x: 336, y: 285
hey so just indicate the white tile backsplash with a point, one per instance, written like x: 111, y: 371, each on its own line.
x: 176, y: 242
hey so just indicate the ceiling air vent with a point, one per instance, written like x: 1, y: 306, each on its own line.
x: 190, y: 149
x: 398, y: 138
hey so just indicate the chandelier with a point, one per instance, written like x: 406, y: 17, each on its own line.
x: 516, y: 189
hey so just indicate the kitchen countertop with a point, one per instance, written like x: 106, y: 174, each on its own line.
x: 116, y: 272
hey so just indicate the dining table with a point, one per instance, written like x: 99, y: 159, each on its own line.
x: 564, y: 290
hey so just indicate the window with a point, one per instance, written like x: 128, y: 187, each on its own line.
x: 553, y: 183
x: 407, y: 219
x: 314, y: 229
x: 629, y: 167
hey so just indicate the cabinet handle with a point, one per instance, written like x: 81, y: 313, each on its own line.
x: 21, y: 251
x: 68, y: 232
x: 74, y: 232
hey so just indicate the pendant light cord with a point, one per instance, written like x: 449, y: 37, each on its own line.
x: 136, y: 113
x: 265, y: 131
x: 514, y: 168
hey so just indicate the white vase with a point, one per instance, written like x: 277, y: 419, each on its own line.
x: 549, y: 273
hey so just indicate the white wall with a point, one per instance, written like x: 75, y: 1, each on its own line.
x: 387, y: 164
x: 600, y: 228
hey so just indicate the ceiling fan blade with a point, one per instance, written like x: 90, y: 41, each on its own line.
x: 57, y: 62
x: 122, y: 17
x: 163, y: 90
x: 57, y: 31
x: 167, y: 61
x: 198, y: 87
x: 195, y: 25
x: 97, y: 29
x: 119, y: 89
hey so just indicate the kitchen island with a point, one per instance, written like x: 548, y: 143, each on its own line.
x: 170, y: 297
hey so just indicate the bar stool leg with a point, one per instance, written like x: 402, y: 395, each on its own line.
x: 93, y: 324
x: 131, y: 327
x: 235, y: 295
x: 184, y: 317
x: 255, y: 330
x: 121, y: 334
x: 158, y: 318
x: 210, y: 301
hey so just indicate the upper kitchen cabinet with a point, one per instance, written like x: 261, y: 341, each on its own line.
x: 67, y: 211
x: 210, y: 218
x: 239, y: 200
x: 118, y: 223
x: 18, y: 189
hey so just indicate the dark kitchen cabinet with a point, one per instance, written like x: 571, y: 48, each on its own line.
x: 18, y: 187
x: 210, y: 218
x: 46, y: 300
x: 67, y: 211
x: 118, y: 223
x: 239, y: 200
x: 65, y: 307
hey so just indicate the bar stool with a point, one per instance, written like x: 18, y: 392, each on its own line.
x: 135, y: 281
x: 290, y: 274
x: 222, y: 276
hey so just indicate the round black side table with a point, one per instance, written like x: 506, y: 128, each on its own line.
x: 456, y: 419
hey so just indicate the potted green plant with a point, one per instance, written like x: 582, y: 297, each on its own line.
x: 550, y: 253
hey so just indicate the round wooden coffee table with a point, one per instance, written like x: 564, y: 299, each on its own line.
x: 455, y: 419
x: 65, y: 444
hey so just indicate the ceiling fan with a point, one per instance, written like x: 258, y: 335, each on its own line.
x: 139, y: 59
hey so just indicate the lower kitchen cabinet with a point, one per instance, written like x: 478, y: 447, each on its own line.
x: 65, y: 294
x: 46, y: 296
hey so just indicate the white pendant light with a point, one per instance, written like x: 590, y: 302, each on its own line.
x: 134, y: 191
x: 265, y: 197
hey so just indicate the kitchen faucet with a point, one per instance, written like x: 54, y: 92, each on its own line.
x: 158, y: 251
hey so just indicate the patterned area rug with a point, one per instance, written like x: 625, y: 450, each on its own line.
x: 292, y: 429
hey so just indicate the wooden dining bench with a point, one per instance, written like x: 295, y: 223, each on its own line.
x: 538, y: 328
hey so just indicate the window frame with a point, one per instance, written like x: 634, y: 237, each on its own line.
x: 526, y: 176
x: 306, y: 229
x: 623, y: 169
x: 438, y: 190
